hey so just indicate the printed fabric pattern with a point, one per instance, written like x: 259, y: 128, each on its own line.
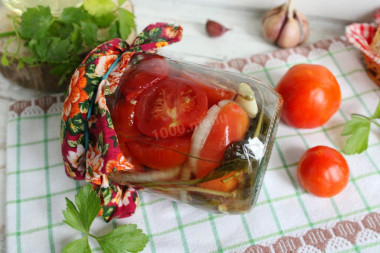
x: 361, y: 35
x: 90, y: 147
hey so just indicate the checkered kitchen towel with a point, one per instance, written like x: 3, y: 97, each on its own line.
x: 285, y: 218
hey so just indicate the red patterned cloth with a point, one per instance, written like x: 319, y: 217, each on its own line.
x: 90, y: 147
x: 360, y: 35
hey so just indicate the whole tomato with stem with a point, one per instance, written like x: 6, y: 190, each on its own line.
x: 311, y: 95
x: 323, y: 171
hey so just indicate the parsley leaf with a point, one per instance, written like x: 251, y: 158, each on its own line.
x: 99, y: 7
x: 74, y: 15
x: 90, y: 31
x: 72, y: 217
x: 80, y: 245
x: 62, y: 42
x: 88, y: 204
x: 120, y: 2
x: 105, y: 20
x: 125, y: 238
x: 357, y: 129
x: 126, y: 23
x: 376, y: 114
x: 35, y: 22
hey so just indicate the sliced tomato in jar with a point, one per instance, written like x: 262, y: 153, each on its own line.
x: 123, y: 117
x: 139, y: 167
x: 152, y: 62
x: 145, y: 74
x: 215, y: 89
x: 160, y: 154
x: 230, y: 125
x: 170, y: 109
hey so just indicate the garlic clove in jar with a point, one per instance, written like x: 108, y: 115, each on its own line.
x: 285, y: 26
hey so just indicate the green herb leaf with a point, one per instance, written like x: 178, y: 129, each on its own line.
x: 126, y: 23
x: 72, y: 217
x: 4, y: 60
x: 105, y: 20
x: 80, y: 245
x: 58, y: 50
x: 358, y: 131
x: 90, y: 31
x: 62, y: 42
x: 99, y: 7
x: 376, y: 114
x: 88, y: 204
x: 121, y: 2
x: 125, y: 238
x: 113, y: 32
x: 74, y: 15
x: 35, y: 22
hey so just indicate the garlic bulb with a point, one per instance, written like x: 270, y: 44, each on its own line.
x: 285, y: 26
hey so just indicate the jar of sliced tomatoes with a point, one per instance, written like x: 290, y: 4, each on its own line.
x: 199, y: 135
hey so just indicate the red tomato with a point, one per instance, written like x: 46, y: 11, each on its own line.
x: 211, y: 85
x: 160, y: 154
x: 230, y: 125
x: 123, y: 116
x: 170, y: 109
x: 124, y: 149
x: 323, y: 171
x: 145, y: 74
x: 311, y: 95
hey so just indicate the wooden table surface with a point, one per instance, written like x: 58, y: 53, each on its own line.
x: 243, y: 39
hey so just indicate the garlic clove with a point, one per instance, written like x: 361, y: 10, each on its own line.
x: 272, y: 12
x: 290, y: 35
x: 215, y: 29
x: 304, y: 25
x: 272, y: 25
x: 246, y: 99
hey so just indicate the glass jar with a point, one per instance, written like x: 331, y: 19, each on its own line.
x: 198, y: 135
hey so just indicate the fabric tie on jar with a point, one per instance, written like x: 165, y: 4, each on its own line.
x: 90, y: 147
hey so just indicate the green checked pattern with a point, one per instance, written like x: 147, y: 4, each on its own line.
x: 285, y: 217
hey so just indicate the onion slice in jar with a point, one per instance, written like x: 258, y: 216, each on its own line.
x: 202, y: 131
x: 200, y: 135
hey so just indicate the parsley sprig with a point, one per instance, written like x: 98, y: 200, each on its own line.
x: 62, y: 42
x: 358, y: 129
x: 124, y: 238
